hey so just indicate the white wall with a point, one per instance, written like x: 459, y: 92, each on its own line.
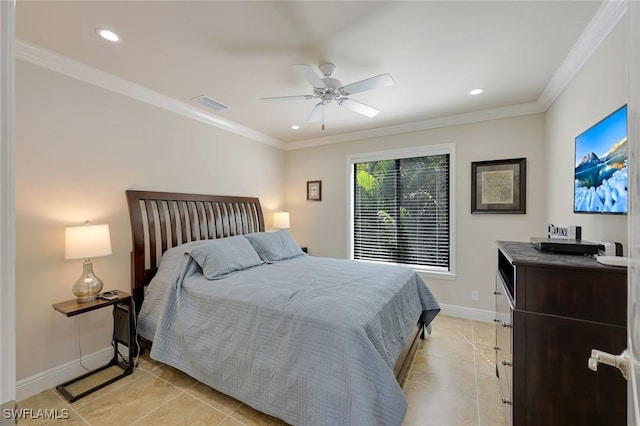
x: 322, y: 225
x: 597, y: 90
x: 78, y: 148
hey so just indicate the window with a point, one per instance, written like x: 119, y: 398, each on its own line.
x: 401, y: 208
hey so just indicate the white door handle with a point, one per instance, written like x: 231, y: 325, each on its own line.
x: 621, y: 362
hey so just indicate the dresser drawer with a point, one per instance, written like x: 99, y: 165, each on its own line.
x: 575, y: 293
x: 504, y: 347
x: 562, y: 307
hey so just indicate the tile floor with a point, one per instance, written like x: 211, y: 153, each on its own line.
x: 451, y: 382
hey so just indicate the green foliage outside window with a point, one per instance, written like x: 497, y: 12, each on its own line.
x: 401, y: 210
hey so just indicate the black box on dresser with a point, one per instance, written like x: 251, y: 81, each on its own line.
x: 551, y: 311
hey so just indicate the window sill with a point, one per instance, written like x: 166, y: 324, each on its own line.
x: 424, y: 273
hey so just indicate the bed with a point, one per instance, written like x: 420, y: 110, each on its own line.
x: 312, y: 341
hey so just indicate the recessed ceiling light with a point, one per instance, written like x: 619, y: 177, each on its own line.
x: 108, y: 34
x: 295, y: 127
x: 476, y: 91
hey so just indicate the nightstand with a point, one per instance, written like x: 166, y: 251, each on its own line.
x: 123, y: 333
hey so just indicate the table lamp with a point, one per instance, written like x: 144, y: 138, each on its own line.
x: 281, y: 220
x: 85, y: 242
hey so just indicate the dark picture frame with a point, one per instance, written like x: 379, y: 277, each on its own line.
x: 314, y: 190
x: 499, y: 186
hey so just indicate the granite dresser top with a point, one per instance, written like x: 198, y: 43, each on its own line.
x: 524, y: 253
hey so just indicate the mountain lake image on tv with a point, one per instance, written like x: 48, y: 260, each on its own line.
x: 601, y: 166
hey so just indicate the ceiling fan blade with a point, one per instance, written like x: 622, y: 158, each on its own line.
x: 287, y: 98
x: 358, y: 107
x: 316, y: 113
x: 310, y: 75
x: 368, y: 84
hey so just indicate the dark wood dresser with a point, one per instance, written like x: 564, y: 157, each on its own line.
x: 551, y: 310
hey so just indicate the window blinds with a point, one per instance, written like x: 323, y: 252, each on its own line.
x: 401, y: 211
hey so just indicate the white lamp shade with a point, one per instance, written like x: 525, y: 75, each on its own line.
x: 86, y: 241
x: 281, y: 220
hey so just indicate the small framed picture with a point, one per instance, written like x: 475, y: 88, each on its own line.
x: 499, y: 186
x: 314, y: 190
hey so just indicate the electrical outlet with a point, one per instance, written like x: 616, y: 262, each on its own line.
x: 475, y: 296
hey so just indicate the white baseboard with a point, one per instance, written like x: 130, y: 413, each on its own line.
x: 467, y: 313
x: 60, y: 374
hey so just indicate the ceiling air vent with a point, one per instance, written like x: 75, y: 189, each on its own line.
x: 211, y: 103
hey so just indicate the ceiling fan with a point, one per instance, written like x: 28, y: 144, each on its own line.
x: 329, y: 89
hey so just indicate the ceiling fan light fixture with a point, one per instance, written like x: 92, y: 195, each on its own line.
x: 475, y: 92
x: 328, y: 90
x: 108, y: 35
x: 327, y: 69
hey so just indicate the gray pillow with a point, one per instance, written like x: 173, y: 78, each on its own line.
x: 168, y: 264
x: 275, y: 246
x: 219, y: 258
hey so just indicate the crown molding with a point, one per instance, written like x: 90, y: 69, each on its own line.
x: 604, y: 20
x: 61, y: 64
x: 602, y: 23
x: 453, y: 120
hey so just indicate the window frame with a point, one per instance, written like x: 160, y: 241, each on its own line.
x: 396, y: 154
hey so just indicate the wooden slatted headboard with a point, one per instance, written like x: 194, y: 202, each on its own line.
x: 161, y: 220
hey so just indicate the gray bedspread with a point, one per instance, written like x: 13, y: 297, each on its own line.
x: 309, y: 340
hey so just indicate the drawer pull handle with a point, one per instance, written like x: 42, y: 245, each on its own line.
x: 496, y: 348
x: 504, y: 324
x: 506, y: 401
x: 496, y: 320
x: 506, y: 363
x: 496, y: 293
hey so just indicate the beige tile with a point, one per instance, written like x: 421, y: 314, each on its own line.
x: 485, y: 367
x: 73, y: 420
x: 250, y: 417
x: 100, y: 394
x: 95, y: 379
x: 130, y: 403
x: 429, y: 405
x: 448, y: 347
x: 485, y: 352
x: 445, y: 374
x: 46, y: 400
x: 64, y: 416
x: 449, y: 342
x: 230, y: 422
x: 173, y: 375
x: 216, y: 399
x: 484, y: 332
x: 490, y: 406
x: 146, y: 363
x: 183, y: 410
x: 452, y: 325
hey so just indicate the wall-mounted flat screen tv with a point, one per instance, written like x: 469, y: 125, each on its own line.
x: 601, y: 166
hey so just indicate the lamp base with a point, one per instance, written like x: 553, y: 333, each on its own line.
x: 88, y: 286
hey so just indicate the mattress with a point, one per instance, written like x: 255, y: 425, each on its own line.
x: 309, y: 340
